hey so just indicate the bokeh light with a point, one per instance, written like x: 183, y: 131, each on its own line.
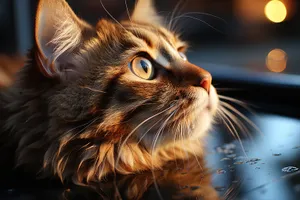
x: 275, y: 11
x: 276, y: 60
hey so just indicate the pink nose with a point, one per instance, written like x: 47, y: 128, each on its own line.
x: 205, y: 83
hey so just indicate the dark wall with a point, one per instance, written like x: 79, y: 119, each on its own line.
x: 215, y: 23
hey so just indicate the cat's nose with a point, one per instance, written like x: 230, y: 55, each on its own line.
x: 206, y: 83
x: 195, y: 76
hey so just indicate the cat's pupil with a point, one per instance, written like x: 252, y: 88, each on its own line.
x: 144, y: 66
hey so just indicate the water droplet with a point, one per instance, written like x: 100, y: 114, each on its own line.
x: 253, y: 161
x: 276, y: 154
x: 225, y: 159
x: 231, y: 155
x: 290, y: 169
x: 239, y: 158
x: 221, y: 171
x: 238, y: 163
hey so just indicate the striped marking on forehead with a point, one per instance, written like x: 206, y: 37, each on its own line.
x: 159, y: 43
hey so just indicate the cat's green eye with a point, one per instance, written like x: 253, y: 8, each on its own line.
x: 142, y: 67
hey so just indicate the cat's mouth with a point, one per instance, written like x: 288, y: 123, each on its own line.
x: 202, y: 114
x: 205, y: 101
x: 197, y: 111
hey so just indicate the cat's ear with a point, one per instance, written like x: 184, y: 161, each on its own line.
x: 58, y: 34
x: 145, y: 12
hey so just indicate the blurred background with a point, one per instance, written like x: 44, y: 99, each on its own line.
x: 252, y: 49
x: 240, y: 33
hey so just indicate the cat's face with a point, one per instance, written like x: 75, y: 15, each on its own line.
x: 132, y: 78
x: 155, y: 91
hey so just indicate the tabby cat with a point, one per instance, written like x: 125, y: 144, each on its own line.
x: 120, y: 97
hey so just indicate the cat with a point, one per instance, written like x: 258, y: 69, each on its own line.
x: 118, y: 97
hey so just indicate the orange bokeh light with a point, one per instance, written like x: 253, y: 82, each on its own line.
x: 276, y: 60
x: 276, y: 11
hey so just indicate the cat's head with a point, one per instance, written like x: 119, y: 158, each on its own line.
x: 129, y: 80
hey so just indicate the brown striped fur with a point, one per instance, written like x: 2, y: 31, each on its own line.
x: 84, y: 116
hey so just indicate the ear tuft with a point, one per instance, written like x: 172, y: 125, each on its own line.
x: 58, y: 33
x: 145, y: 12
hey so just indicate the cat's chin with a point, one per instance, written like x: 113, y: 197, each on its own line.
x: 205, y: 117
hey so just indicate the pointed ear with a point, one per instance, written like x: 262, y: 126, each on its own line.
x: 58, y: 34
x: 145, y: 12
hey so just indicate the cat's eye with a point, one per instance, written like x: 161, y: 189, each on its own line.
x: 183, y: 56
x: 142, y: 68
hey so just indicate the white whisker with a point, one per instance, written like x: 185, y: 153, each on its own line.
x: 173, y: 14
x: 191, y: 17
x: 127, y: 10
x: 233, y: 131
x: 242, y: 116
x: 238, y: 102
x: 188, y: 130
x: 206, y: 14
x: 153, y: 147
x: 111, y: 15
x: 92, y: 89
x: 149, y: 130
x: 238, y: 122
x: 131, y: 133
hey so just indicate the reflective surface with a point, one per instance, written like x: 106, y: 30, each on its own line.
x: 267, y: 168
x: 261, y: 171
